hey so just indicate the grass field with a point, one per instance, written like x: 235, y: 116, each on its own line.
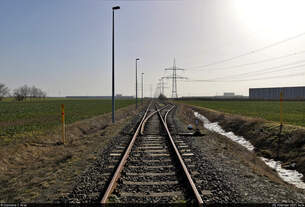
x: 293, y: 112
x: 26, y: 117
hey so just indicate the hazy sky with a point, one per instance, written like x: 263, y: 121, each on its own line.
x: 64, y: 46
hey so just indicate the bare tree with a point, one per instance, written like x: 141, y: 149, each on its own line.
x: 34, y: 92
x: 17, y: 94
x: 43, y: 94
x: 24, y: 92
x: 4, y: 91
x: 40, y: 93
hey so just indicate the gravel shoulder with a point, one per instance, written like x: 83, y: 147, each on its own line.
x: 248, y: 176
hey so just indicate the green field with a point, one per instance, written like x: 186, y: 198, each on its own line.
x: 17, y: 118
x: 293, y: 112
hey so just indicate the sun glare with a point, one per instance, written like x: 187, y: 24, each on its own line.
x: 275, y: 18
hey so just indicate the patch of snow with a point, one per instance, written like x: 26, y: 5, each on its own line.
x: 289, y: 176
x: 216, y: 128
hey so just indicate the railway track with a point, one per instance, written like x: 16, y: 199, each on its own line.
x: 154, y: 167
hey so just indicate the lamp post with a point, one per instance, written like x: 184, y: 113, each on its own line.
x: 142, y: 89
x: 113, y: 103
x: 137, y: 82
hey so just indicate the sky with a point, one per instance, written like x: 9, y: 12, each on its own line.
x: 64, y: 46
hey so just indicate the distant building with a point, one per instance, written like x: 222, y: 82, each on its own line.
x: 289, y: 93
x: 118, y: 96
x: 228, y: 94
x: 235, y: 97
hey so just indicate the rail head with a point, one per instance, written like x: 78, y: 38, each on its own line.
x: 185, y: 170
x: 123, y: 161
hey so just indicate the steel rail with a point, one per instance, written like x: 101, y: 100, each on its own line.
x: 185, y: 170
x: 122, y: 162
x: 148, y: 117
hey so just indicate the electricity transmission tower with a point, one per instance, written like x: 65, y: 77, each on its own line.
x: 156, y: 94
x: 162, y: 86
x: 159, y: 87
x: 174, y: 78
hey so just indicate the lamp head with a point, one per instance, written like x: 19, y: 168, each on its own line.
x: 138, y: 59
x: 115, y: 8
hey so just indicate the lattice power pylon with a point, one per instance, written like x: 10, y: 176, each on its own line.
x: 162, y: 85
x: 174, y: 78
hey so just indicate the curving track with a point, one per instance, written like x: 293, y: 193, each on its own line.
x: 153, y: 167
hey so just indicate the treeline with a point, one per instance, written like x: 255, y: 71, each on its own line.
x: 22, y: 93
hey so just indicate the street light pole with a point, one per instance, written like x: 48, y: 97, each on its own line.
x: 142, y: 89
x: 137, y: 82
x: 113, y: 101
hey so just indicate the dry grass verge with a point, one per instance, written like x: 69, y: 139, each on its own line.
x: 39, y: 169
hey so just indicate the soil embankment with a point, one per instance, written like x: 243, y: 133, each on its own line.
x: 289, y: 147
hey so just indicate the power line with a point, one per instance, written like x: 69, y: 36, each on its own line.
x: 254, y: 79
x: 265, y: 70
x: 260, y: 61
x: 272, y: 77
x: 250, y: 52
